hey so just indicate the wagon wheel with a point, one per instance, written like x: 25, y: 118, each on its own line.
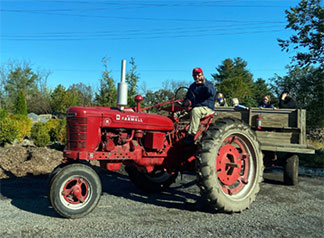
x: 229, y: 165
x: 75, y: 190
x: 291, y: 170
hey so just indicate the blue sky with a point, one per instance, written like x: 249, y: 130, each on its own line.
x: 166, y: 38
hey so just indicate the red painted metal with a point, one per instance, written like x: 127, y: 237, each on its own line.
x: 114, y: 136
x: 233, y: 165
x: 75, y: 191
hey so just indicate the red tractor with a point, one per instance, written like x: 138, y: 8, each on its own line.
x: 226, y: 156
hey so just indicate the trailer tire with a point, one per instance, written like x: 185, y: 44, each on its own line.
x: 291, y: 170
x: 75, y: 190
x: 229, y: 166
x: 156, y: 181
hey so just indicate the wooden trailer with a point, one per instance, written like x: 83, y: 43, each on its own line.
x: 281, y: 132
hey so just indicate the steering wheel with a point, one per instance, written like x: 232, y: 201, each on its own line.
x: 181, y: 93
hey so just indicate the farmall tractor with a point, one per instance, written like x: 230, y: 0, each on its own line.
x: 226, y: 155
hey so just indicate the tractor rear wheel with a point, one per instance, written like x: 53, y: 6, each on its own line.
x: 75, y: 190
x: 229, y: 165
x: 156, y: 181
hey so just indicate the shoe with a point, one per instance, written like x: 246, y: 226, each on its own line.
x: 189, y: 140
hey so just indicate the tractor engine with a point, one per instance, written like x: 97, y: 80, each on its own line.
x: 113, y: 136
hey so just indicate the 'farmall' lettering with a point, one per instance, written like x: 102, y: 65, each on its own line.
x: 128, y: 118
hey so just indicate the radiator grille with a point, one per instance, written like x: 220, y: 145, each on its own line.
x: 77, y: 133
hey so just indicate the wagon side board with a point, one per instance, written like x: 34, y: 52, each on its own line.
x: 282, y: 130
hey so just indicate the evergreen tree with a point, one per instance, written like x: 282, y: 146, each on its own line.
x: 132, y: 79
x: 261, y: 88
x: 234, y: 80
x: 20, y: 104
x: 62, y: 99
x: 107, y: 95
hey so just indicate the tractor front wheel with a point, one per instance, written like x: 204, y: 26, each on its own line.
x: 75, y: 190
x: 229, y: 165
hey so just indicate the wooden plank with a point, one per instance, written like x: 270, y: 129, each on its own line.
x: 274, y: 120
x: 302, y: 126
x: 278, y: 138
x: 288, y: 148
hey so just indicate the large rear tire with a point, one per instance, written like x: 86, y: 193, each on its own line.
x: 75, y: 190
x: 156, y: 181
x: 229, y: 165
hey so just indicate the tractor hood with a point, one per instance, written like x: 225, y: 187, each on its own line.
x: 128, y: 119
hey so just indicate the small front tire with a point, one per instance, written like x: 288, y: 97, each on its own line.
x: 75, y: 191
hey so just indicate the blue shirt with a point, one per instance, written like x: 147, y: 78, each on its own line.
x: 202, y: 95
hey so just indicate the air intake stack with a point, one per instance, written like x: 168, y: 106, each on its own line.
x: 122, y: 88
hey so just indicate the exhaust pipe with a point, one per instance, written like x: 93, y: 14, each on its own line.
x: 122, y: 92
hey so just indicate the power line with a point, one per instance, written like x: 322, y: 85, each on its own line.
x: 119, y: 5
x: 183, y: 35
x: 207, y: 28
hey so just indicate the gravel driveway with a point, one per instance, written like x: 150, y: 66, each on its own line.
x: 123, y: 211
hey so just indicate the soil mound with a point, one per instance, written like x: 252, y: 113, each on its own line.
x: 19, y: 161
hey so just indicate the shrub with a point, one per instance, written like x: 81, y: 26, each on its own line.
x: 62, y: 132
x: 56, y: 128
x: 3, y: 113
x: 9, y: 130
x: 53, y: 126
x: 40, y: 135
x: 25, y: 125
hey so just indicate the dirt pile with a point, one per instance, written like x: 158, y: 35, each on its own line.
x: 19, y: 161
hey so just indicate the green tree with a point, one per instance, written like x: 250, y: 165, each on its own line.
x: 132, y: 79
x: 83, y: 93
x: 261, y: 88
x: 62, y: 99
x: 40, y: 102
x: 166, y: 93
x: 107, y: 95
x: 20, y: 104
x: 18, y: 76
x: 305, y: 79
x: 234, y: 80
x: 307, y: 20
x: 307, y: 86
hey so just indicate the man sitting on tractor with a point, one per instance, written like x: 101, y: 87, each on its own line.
x: 201, y: 94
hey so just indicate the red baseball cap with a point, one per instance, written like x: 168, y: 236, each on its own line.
x: 197, y: 70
